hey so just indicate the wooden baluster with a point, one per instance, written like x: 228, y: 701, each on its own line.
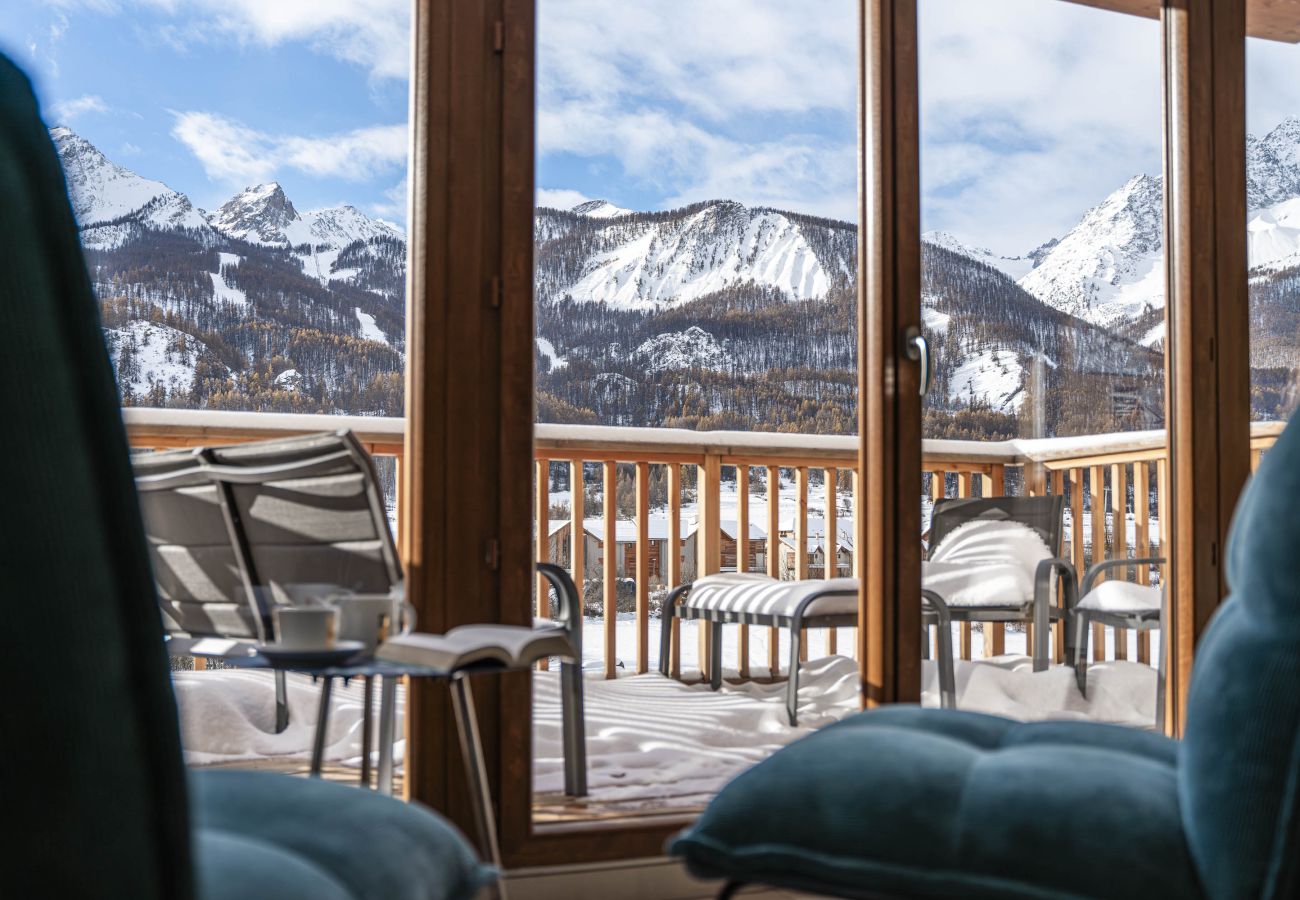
x: 742, y: 554
x: 1097, y: 497
x: 774, y: 560
x: 675, y: 560
x: 610, y: 571
x: 543, y: 545
x: 801, y: 538
x: 1142, y: 542
x: 1119, y: 539
x: 642, y: 567
x: 1255, y: 455
x: 832, y: 567
x: 709, y: 540
x: 995, y: 633
x: 1076, y: 521
x: 963, y: 490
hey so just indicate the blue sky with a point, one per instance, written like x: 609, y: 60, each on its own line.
x: 213, y: 97
x: 1032, y: 111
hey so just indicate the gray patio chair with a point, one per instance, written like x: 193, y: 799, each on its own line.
x: 1045, y: 515
x: 1120, y: 604
x: 206, y: 585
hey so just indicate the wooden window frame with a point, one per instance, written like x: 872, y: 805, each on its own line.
x: 466, y: 491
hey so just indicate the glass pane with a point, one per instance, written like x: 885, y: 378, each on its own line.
x: 238, y: 172
x: 696, y: 271
x: 1273, y: 241
x: 1043, y: 303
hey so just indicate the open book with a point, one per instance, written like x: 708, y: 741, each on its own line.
x: 513, y: 646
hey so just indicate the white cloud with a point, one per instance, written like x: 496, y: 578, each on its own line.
x: 560, y: 198
x: 374, y: 34
x: 394, y: 204
x: 68, y: 110
x: 230, y: 151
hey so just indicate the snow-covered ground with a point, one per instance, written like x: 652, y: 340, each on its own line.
x: 369, y: 329
x: 653, y: 741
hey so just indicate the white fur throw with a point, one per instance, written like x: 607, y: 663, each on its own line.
x: 985, y: 563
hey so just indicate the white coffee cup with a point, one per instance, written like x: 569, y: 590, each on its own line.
x: 306, y: 627
x: 373, y: 618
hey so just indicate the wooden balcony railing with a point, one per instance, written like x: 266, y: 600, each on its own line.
x: 1124, y: 477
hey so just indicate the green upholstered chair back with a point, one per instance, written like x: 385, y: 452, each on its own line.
x: 91, y: 779
x: 1239, y: 765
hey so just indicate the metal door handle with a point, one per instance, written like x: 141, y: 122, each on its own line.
x: 917, y: 349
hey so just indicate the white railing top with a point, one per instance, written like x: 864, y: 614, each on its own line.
x: 200, y: 423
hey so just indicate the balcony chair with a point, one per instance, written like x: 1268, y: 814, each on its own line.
x: 961, y: 567
x: 909, y: 802
x: 96, y: 797
x: 1120, y: 604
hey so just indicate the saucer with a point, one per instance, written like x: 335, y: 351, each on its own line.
x: 311, y: 657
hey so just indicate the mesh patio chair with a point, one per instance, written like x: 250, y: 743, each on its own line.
x: 1045, y: 516
x: 1120, y: 604
x: 206, y: 587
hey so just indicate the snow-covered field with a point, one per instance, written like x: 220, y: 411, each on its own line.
x: 653, y: 741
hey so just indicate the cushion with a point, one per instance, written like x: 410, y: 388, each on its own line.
x: 985, y: 563
x: 232, y: 867
x: 375, y: 847
x: 1239, y: 770
x: 1123, y: 598
x: 742, y: 592
x: 917, y: 802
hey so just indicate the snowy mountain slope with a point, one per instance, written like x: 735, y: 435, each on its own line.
x: 103, y: 192
x: 1109, y: 269
x: 692, y: 348
x: 148, y: 356
x: 1110, y: 266
x: 653, y: 260
x: 1014, y: 267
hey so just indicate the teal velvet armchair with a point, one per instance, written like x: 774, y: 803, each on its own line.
x: 93, y: 794
x: 908, y: 802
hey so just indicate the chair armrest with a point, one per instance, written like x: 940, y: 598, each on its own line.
x: 937, y: 605
x: 1056, y: 567
x: 570, y: 603
x: 1095, y: 570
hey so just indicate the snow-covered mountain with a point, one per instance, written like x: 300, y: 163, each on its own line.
x: 600, y: 209
x: 105, y: 194
x: 201, y: 309
x: 264, y: 215
x: 653, y: 260
x: 1014, y: 267
x: 1110, y: 267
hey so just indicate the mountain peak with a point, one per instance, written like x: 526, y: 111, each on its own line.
x: 599, y: 209
x: 259, y: 214
x: 102, y: 191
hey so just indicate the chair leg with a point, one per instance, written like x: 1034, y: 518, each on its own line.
x: 575, y: 735
x: 947, y: 673
x: 715, y: 655
x: 1160, y: 677
x: 792, y: 683
x: 1081, y: 652
x: 322, y: 726
x: 281, y: 701
x: 1042, y: 634
x: 665, y: 639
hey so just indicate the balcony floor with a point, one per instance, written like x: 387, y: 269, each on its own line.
x: 656, y: 746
